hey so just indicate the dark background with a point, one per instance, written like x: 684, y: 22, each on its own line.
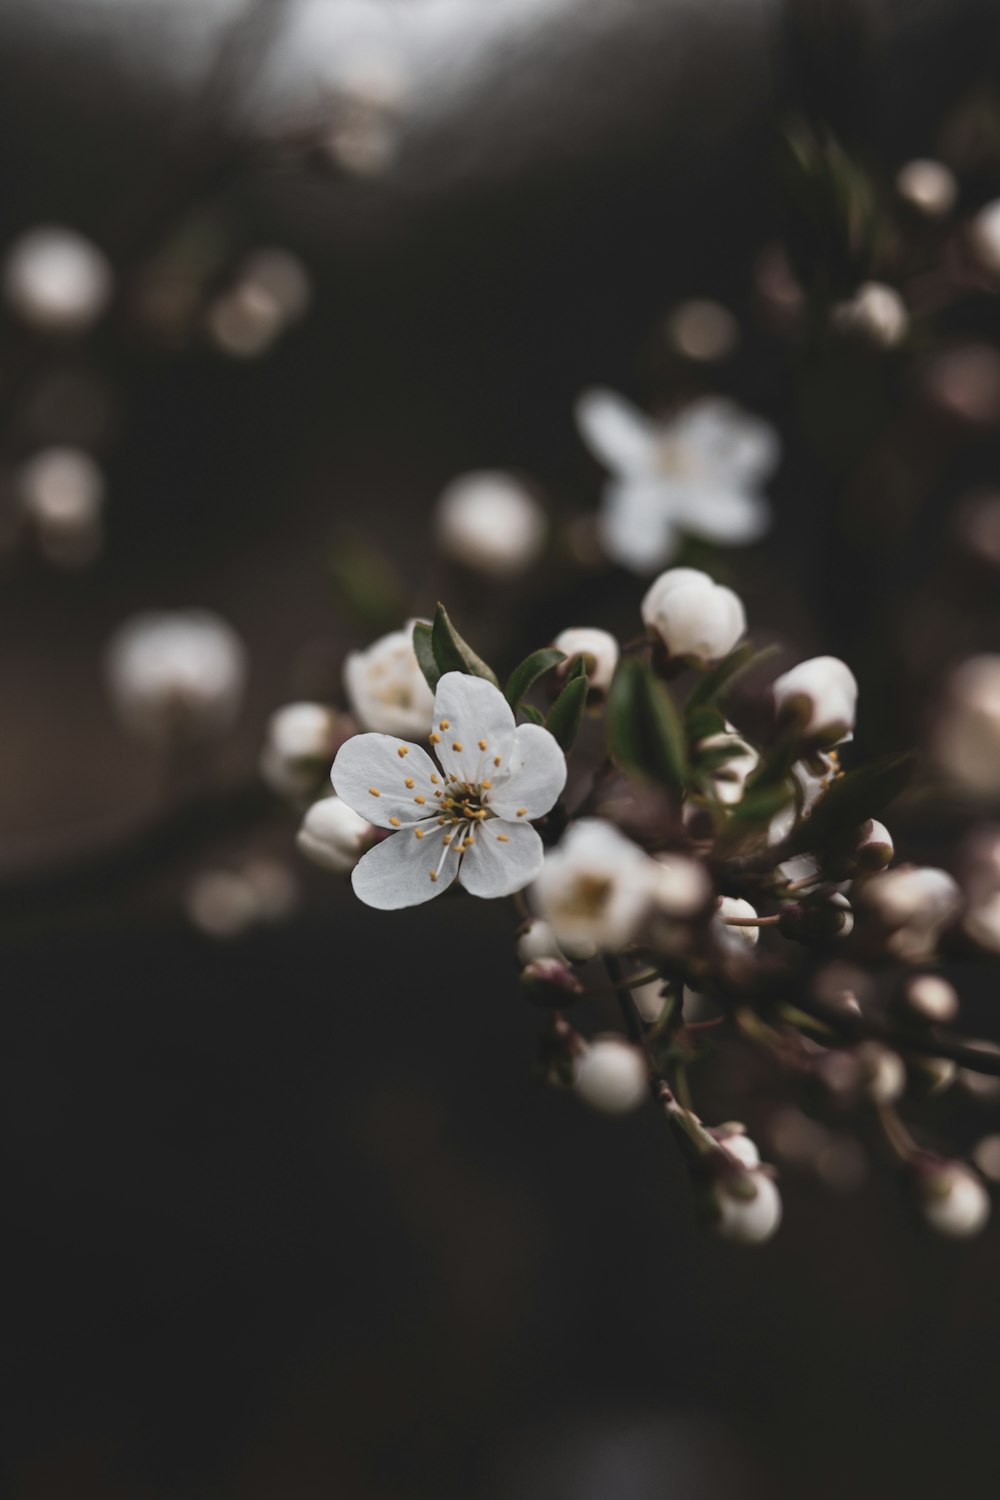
x: 291, y: 1217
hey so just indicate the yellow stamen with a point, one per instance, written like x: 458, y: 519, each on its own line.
x: 456, y: 745
x: 403, y: 751
x: 482, y: 744
x: 434, y: 874
x: 445, y: 724
x: 419, y: 799
x: 446, y: 839
x: 373, y: 791
x: 419, y: 832
x: 521, y: 811
x: 435, y: 778
x: 394, y: 822
x: 503, y: 838
x: 434, y: 738
x: 408, y: 783
x: 468, y: 843
x: 486, y: 785
x: 496, y: 760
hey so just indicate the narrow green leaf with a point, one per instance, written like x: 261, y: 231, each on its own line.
x: 704, y: 723
x: 851, y: 800
x: 716, y: 685
x: 424, y: 650
x: 531, y: 713
x: 647, y: 736
x: 452, y: 653
x: 524, y: 677
x: 566, y: 713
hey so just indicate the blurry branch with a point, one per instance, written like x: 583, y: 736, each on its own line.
x: 850, y: 1027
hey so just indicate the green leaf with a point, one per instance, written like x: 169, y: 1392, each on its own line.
x: 647, y: 736
x: 452, y: 653
x: 704, y: 723
x: 524, y: 677
x: 425, y: 653
x: 566, y: 713
x: 531, y: 713
x: 716, y: 685
x: 851, y: 800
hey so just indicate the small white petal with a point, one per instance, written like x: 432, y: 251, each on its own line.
x: 504, y: 858
x: 370, y: 775
x: 721, y: 512
x: 620, y: 435
x: 635, y: 525
x: 475, y: 725
x: 537, y: 776
x: 728, y: 440
x: 386, y: 687
x: 401, y: 871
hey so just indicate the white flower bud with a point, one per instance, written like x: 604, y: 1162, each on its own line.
x: 876, y: 314
x: 693, y: 616
x: 596, y: 888
x: 987, y: 1157
x: 703, y: 331
x: 915, y: 905
x: 537, y: 940
x: 932, y: 998
x: 489, y: 522
x: 967, y: 739
x: 178, y: 674
x: 650, y: 1000
x: 680, y: 886
x: 333, y: 835
x: 734, y: 1140
x: 386, y: 688
x: 61, y: 491
x: 55, y: 280
x: 824, y: 692
x: 734, y: 939
x: 927, y: 186
x: 222, y: 903
x: 729, y: 778
x: 611, y: 1076
x: 874, y: 849
x: 598, y: 648
x: 984, y: 237
x: 281, y: 276
x: 982, y: 923
x: 883, y: 1072
x: 274, y: 886
x: 953, y: 1200
x: 299, y: 746
x: 746, y: 1219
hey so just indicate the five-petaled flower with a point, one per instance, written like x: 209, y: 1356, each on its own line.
x: 465, y: 816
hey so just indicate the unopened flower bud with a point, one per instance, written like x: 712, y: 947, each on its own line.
x: 931, y: 998
x: 928, y: 187
x: 550, y: 981
x: 537, y: 940
x: 876, y: 314
x: 967, y: 739
x: 914, y: 905
x: 301, y: 741
x: 984, y: 237
x: 818, y: 920
x: 823, y: 694
x: 56, y: 281
x: 874, y: 848
x: 693, y: 616
x: 735, y: 939
x: 600, y: 652
x: 703, y: 331
x: 953, y: 1200
x: 733, y: 1138
x: 748, y: 1207
x: 61, y: 491
x: 882, y: 1072
x: 611, y: 1076
x: 334, y: 836
x: 176, y: 675
x: 489, y: 522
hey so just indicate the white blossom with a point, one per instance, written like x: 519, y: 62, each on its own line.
x: 703, y: 330
x: 876, y: 314
x: 334, y: 836
x: 874, y: 848
x: 748, y: 1207
x: 967, y: 739
x: 597, y: 888
x: 299, y: 746
x: 984, y: 235
x: 176, y: 674
x: 734, y: 938
x: 489, y: 522
x: 537, y: 940
x: 61, y: 491
x: 883, y: 1072
x: 55, y: 280
x: 386, y: 688
x: 954, y: 1201
x: 699, y: 472
x: 729, y: 776
x: 599, y: 649
x: 611, y: 1076
x: 914, y: 904
x: 932, y: 998
x: 824, y: 691
x: 465, y: 817
x: 928, y: 186
x: 693, y: 616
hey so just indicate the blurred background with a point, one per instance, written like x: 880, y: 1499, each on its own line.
x: 289, y: 1215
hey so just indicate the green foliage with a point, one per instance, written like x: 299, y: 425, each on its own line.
x: 851, y: 800
x: 566, y: 713
x: 646, y: 732
x: 524, y: 677
x: 441, y: 649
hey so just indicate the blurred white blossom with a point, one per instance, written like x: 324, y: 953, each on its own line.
x: 56, y: 280
x: 823, y: 692
x: 596, y: 888
x: 488, y: 521
x: 599, y: 649
x: 176, y: 674
x: 61, y: 491
x: 967, y: 734
x: 611, y: 1076
x: 386, y: 688
x: 876, y: 314
x: 299, y: 745
x: 927, y: 186
x: 694, y: 617
x: 334, y: 836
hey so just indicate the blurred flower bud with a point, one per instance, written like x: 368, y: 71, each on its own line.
x: 550, y: 981
x: 978, y: 526
x: 370, y: 95
x: 281, y: 276
x: 61, y: 491
x: 876, y: 314
x: 823, y: 694
x: 732, y: 1137
x: 928, y: 187
x: 599, y: 649
x: 967, y: 738
x: 221, y: 903
x: 931, y: 998
x: 176, y: 675
x: 681, y: 886
x: 962, y: 383
x: 735, y: 939
x: 490, y: 523
x: 334, y: 836
x: 386, y: 688
x: 651, y: 1000
x: 953, y: 1200
x: 299, y: 746
x: 914, y: 905
x: 611, y: 1076
x: 56, y: 281
x: 244, y: 322
x: 596, y: 888
x: 987, y: 1157
x: 874, y: 848
x: 537, y: 940
x: 274, y: 886
x: 883, y: 1073
x: 703, y: 331
x: 984, y: 1088
x: 818, y: 920
x: 748, y: 1206
x: 984, y: 237
x: 693, y: 616
x: 729, y: 770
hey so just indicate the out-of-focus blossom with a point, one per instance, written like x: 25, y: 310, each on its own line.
x: 176, y: 675
x: 370, y: 96
x: 747, y: 1205
x: 596, y: 888
x: 703, y: 331
x: 229, y: 903
x: 914, y: 905
x: 729, y: 776
x: 927, y: 186
x: 967, y: 735
x: 334, y: 836
x: 694, y: 617
x: 978, y: 527
x: 874, y: 848
x: 883, y: 1072
x: 984, y: 236
x: 599, y: 649
x: 987, y: 1157
x: 489, y: 522
x: 611, y: 1076
x: 823, y: 693
x: 61, y: 491
x: 299, y: 746
x: 812, y: 777
x: 699, y: 472
x: 962, y: 383
x: 470, y: 820
x: 733, y: 924
x: 271, y: 291
x: 55, y: 280
x: 876, y: 314
x: 536, y: 940
x: 932, y: 998
x: 953, y: 1200
x: 386, y: 688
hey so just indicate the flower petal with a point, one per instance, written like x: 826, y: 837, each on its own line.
x: 623, y: 438
x: 405, y: 870
x: 636, y: 524
x: 371, y: 772
x: 505, y: 857
x: 473, y: 727
x: 537, y: 776
x: 729, y: 440
x: 722, y: 513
